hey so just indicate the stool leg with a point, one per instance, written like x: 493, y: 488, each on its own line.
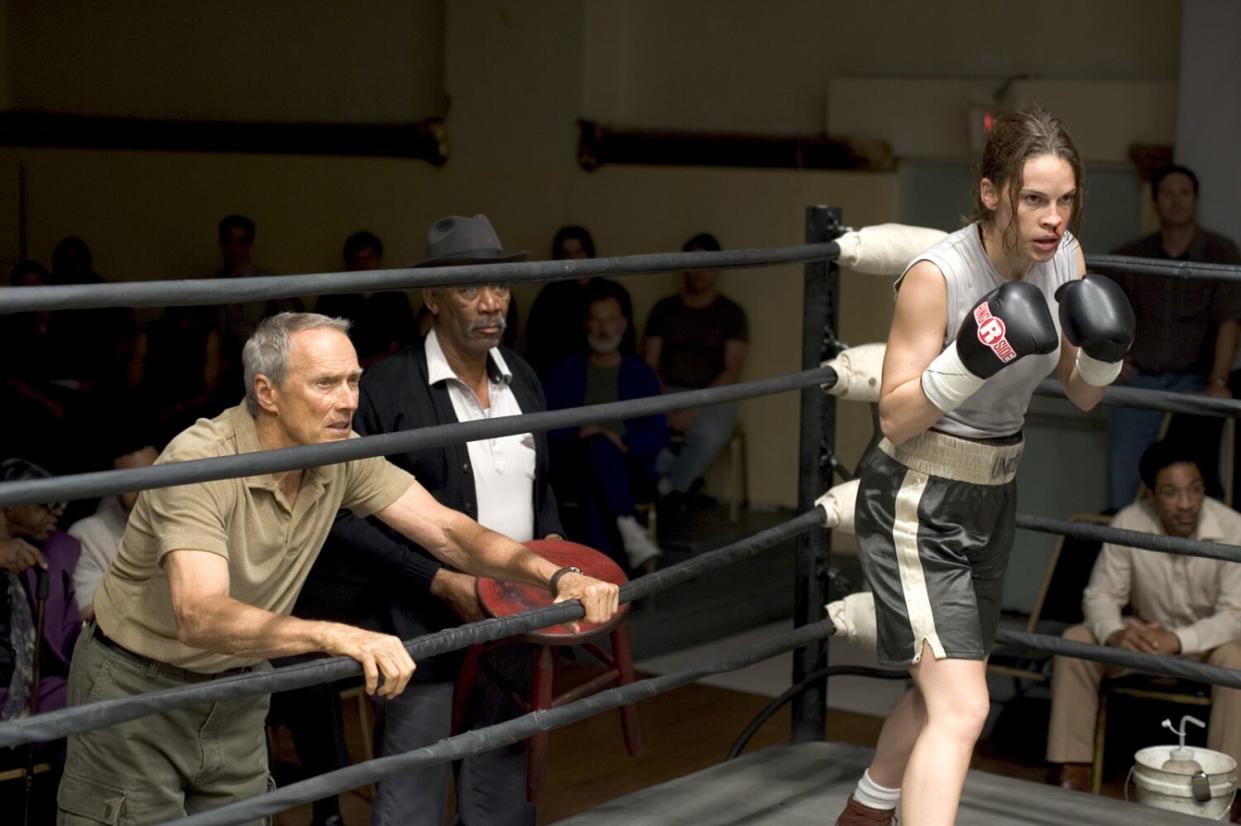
x: 622, y: 659
x: 540, y: 698
x: 1100, y: 732
x: 467, y: 676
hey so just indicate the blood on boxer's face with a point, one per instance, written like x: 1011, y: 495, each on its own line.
x: 1044, y: 207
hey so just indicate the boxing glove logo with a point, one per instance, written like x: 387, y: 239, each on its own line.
x: 991, y: 333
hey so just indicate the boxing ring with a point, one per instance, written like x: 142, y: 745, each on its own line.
x: 806, y: 781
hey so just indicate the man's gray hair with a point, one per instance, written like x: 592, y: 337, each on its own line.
x: 267, y: 351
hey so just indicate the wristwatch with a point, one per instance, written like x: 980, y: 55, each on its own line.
x: 554, y: 584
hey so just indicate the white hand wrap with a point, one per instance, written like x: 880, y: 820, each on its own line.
x: 1095, y: 372
x: 854, y: 618
x: 858, y: 372
x: 838, y: 505
x: 885, y: 249
x: 947, y: 382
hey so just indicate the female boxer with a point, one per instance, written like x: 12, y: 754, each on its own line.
x: 972, y: 335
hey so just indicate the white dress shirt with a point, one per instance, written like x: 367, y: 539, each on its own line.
x: 503, y: 467
x: 1197, y: 599
x: 100, y: 536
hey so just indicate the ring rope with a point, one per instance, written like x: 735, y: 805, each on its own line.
x: 493, y: 737
x: 105, y: 483
x: 78, y: 719
x: 1132, y: 539
x: 1194, y: 404
x: 110, y: 482
x: 1169, y: 666
x: 197, y: 291
x: 1163, y: 267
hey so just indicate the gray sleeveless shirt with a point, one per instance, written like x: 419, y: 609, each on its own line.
x: 999, y: 408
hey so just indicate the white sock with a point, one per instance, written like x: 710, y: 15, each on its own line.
x: 663, y: 486
x: 869, y: 793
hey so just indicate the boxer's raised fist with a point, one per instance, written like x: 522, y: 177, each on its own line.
x: 1010, y: 322
x: 1096, y: 316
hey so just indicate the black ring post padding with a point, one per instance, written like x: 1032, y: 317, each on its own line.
x: 1169, y: 666
x: 1163, y: 267
x: 493, y: 737
x: 110, y: 482
x: 191, y: 292
x: 1194, y: 404
x: 77, y: 719
x: 1132, y: 539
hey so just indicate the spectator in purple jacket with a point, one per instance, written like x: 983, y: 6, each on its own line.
x: 29, y: 544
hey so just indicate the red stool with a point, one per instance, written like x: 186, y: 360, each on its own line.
x: 501, y: 599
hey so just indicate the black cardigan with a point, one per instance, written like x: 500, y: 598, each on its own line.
x: 370, y: 574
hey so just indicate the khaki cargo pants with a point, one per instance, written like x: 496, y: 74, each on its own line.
x: 163, y: 766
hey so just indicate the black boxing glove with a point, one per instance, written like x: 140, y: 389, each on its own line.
x: 1096, y: 316
x: 1010, y: 322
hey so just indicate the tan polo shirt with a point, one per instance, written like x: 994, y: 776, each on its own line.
x: 270, y: 547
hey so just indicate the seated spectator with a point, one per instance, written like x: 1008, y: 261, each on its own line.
x: 693, y: 340
x: 100, y: 534
x: 382, y: 322
x: 1182, y: 606
x: 111, y: 331
x: 552, y: 334
x: 178, y: 368
x: 1188, y: 332
x: 29, y: 541
x: 236, y: 322
x: 31, y: 548
x: 601, y: 466
x: 32, y: 398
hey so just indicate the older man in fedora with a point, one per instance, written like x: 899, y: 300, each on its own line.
x: 459, y: 372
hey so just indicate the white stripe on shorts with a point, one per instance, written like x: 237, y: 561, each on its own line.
x: 913, y: 580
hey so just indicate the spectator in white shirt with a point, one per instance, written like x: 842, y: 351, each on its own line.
x: 100, y: 533
x: 1184, y: 606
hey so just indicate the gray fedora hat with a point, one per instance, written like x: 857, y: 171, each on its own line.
x: 459, y: 240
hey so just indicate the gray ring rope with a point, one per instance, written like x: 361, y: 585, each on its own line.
x: 493, y: 737
x: 1194, y: 404
x: 1110, y: 655
x: 78, y: 719
x: 1132, y: 539
x: 106, y: 483
x: 1163, y: 267
x: 190, y: 292
x: 110, y: 482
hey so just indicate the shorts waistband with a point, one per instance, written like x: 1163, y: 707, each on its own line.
x: 951, y: 457
x: 174, y: 672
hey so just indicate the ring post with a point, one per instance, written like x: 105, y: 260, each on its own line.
x: 821, y: 299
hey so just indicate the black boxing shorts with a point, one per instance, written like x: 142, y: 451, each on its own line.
x: 934, y: 521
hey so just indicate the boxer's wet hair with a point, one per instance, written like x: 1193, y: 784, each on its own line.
x: 1016, y: 137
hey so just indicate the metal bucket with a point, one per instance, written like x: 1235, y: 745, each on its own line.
x: 1207, y: 793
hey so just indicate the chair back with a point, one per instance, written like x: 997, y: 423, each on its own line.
x: 1059, y: 601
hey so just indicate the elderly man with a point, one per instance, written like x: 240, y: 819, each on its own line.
x: 1182, y: 606
x: 206, y: 574
x: 605, y: 467
x: 460, y: 372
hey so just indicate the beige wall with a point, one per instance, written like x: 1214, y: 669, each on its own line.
x: 309, y: 60
x: 516, y: 76
x: 736, y: 64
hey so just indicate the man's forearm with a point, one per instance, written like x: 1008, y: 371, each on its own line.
x: 1225, y: 351
x: 226, y: 626
x: 490, y: 554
